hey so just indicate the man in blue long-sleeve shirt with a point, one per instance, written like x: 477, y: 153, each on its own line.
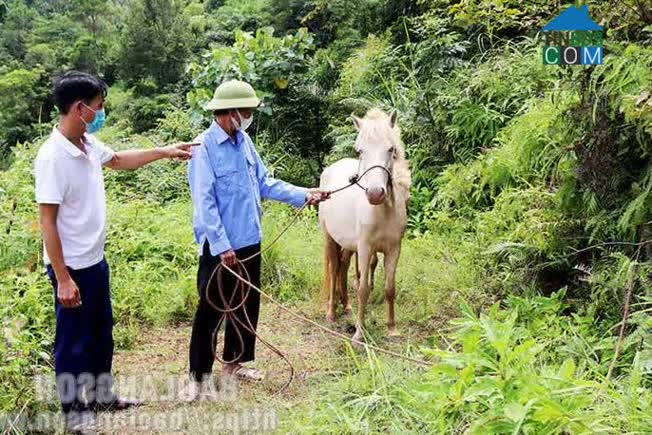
x: 228, y: 181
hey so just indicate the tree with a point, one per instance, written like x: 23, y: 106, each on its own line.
x: 155, y: 42
x: 333, y: 20
x: 90, y: 49
x: 56, y: 36
x: 3, y: 10
x: 16, y: 25
x: 287, y: 14
x: 212, y: 5
x: 23, y: 104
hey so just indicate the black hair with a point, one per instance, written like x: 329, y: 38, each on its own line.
x: 222, y: 112
x: 74, y: 86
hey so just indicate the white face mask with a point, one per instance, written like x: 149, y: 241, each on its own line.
x: 244, y: 123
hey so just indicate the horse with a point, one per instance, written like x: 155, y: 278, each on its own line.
x: 366, y: 220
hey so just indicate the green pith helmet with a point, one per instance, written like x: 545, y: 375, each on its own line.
x: 233, y: 94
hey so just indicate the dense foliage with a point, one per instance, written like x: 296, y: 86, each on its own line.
x: 529, y: 216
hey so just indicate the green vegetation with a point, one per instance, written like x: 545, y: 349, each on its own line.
x: 530, y: 212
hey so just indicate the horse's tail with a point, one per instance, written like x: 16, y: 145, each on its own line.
x: 326, y: 288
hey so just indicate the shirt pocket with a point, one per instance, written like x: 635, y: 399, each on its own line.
x: 253, y: 179
x: 227, y: 174
x: 226, y: 183
x: 251, y: 167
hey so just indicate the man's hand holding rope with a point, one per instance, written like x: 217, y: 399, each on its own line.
x: 315, y: 196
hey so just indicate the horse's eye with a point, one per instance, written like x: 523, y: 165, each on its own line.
x: 391, y: 150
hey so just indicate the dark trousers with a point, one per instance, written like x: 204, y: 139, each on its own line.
x: 83, y: 343
x: 207, y: 318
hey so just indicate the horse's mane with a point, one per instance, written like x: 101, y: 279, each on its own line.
x: 376, y: 119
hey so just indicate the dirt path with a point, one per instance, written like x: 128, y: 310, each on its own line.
x: 161, y: 354
x: 156, y: 369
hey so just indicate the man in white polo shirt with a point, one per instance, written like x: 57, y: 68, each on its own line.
x: 72, y: 212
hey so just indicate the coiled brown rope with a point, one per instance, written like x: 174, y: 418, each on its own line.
x: 244, y: 285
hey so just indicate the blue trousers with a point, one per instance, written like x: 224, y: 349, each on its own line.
x: 83, y: 344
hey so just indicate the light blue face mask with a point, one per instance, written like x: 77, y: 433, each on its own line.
x: 97, y: 122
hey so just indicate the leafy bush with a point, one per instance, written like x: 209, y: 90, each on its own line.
x: 503, y: 17
x: 334, y: 21
x: 144, y: 113
x: 293, y: 116
x: 178, y: 124
x: 525, y: 368
x: 165, y: 181
x: 268, y: 63
x: 230, y: 16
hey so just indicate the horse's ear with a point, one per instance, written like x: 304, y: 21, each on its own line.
x: 357, y: 122
x: 393, y: 118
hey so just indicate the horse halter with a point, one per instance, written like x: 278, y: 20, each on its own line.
x: 355, y: 179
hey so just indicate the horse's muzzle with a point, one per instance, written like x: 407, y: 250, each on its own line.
x: 375, y: 195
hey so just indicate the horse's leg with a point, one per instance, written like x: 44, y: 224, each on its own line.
x: 332, y: 257
x: 364, y: 256
x: 391, y: 260
x: 372, y: 271
x: 356, y: 281
x: 344, y: 285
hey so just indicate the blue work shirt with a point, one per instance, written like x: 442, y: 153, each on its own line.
x: 227, y: 181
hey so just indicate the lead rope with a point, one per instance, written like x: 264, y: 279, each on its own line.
x: 244, y: 279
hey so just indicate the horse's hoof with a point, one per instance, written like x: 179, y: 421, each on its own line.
x: 357, y: 340
x: 357, y: 344
x: 331, y: 318
x: 348, y: 311
x: 393, y: 332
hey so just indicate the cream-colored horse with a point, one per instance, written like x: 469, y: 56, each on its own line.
x: 366, y: 220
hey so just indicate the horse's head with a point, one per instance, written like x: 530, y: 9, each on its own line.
x: 378, y: 145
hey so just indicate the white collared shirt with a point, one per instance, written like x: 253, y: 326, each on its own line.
x: 73, y: 179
